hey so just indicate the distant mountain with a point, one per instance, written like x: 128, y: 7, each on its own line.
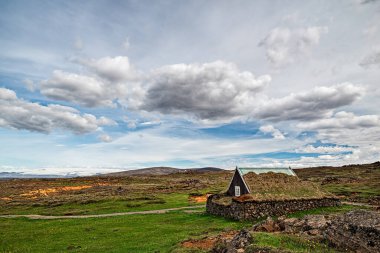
x: 161, y: 171
x: 322, y: 169
x: 145, y: 171
x: 9, y: 175
x: 207, y: 169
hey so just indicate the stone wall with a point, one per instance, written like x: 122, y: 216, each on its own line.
x: 250, y: 210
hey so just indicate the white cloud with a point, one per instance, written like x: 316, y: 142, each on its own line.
x: 151, y: 123
x: 113, y: 79
x: 363, y: 132
x: 7, y: 95
x: 141, y: 121
x: 19, y: 114
x: 209, y: 91
x: 364, y: 154
x: 284, y: 45
x: 131, y: 123
x: 324, y: 149
x: 317, y: 103
x: 273, y: 131
x: 83, y: 90
x: 216, y: 92
x: 105, y: 138
x: 342, y: 120
x: 114, y: 69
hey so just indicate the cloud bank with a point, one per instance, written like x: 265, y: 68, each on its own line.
x: 343, y: 120
x: 110, y: 80
x: 211, y: 91
x: 314, y: 104
x: 216, y: 92
x: 19, y: 114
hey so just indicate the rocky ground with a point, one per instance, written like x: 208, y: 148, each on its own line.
x: 354, y: 231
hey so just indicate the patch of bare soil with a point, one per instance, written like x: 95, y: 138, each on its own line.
x: 199, y: 199
x: 207, y: 243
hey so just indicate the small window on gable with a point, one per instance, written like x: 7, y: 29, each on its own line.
x: 237, y: 191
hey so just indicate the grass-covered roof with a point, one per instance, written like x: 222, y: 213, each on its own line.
x: 279, y: 186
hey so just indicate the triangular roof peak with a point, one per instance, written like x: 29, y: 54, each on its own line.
x: 245, y: 170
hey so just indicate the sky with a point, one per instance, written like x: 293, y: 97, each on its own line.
x: 99, y: 86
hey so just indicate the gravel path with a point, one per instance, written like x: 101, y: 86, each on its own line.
x: 49, y: 217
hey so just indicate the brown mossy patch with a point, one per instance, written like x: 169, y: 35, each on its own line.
x: 223, y: 200
x: 207, y: 243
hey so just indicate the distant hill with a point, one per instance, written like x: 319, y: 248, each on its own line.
x: 331, y: 170
x: 145, y: 171
x: 207, y: 169
x: 161, y: 171
x: 10, y: 175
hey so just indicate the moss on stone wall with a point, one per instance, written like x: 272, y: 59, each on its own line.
x: 251, y: 210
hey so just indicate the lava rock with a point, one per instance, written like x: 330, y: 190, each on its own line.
x: 357, y: 230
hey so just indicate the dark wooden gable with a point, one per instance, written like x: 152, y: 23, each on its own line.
x: 237, y: 180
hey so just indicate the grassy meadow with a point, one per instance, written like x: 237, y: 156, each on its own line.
x: 96, y: 195
x: 139, y: 233
x: 149, y: 232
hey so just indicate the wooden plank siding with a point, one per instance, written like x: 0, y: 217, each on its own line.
x: 237, y: 181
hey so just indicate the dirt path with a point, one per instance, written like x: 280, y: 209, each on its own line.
x: 358, y: 204
x: 160, y: 211
x: 49, y: 217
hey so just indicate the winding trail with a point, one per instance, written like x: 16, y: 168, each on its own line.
x: 159, y: 211
x: 51, y: 217
x: 359, y: 204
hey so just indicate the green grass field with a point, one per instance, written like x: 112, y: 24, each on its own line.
x: 137, y: 233
x: 151, y: 202
x: 290, y: 243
